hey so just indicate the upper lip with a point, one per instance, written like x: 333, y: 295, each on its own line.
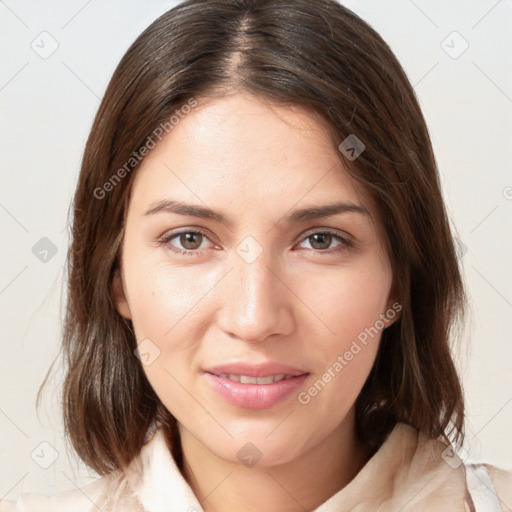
x: 266, y: 369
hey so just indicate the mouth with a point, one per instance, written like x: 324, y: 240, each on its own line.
x: 265, y: 370
x: 248, y: 379
x: 255, y: 386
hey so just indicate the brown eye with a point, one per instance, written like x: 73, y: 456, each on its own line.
x: 321, y: 240
x: 191, y: 240
x: 185, y: 242
x: 327, y: 242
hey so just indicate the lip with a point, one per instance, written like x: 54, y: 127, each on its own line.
x: 256, y: 370
x: 255, y: 396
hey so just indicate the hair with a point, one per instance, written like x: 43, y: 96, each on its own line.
x: 316, y: 55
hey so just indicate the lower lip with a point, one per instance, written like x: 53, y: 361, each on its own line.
x: 255, y: 396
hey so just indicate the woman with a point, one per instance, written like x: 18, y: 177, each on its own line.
x: 220, y: 354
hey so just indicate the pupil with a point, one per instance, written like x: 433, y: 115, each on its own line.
x: 188, y: 238
x: 324, y: 237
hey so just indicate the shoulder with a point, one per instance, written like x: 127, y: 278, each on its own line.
x: 84, y: 499
x: 490, y: 487
x: 483, y: 487
x: 119, y: 490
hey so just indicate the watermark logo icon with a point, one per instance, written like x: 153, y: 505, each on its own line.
x: 44, y: 454
x: 249, y: 249
x: 461, y: 248
x: 44, y: 250
x: 249, y: 455
x: 454, y: 45
x: 352, y: 147
x: 45, y: 45
x: 453, y: 459
x: 147, y: 352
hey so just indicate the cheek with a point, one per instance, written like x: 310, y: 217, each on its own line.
x: 351, y: 301
x: 351, y: 312
x: 348, y: 306
x: 166, y: 310
x: 169, y: 321
x: 162, y: 299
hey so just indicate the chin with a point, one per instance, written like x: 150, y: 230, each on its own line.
x: 256, y: 447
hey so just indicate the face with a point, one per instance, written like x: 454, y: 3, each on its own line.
x: 261, y: 290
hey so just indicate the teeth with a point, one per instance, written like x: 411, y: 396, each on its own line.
x: 245, y: 379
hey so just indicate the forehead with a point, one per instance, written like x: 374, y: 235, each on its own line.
x: 243, y: 152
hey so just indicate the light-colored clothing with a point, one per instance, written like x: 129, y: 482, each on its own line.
x: 409, y: 473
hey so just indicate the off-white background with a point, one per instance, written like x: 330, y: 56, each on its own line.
x: 47, y: 106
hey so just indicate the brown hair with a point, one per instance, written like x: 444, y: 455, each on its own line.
x: 323, y: 57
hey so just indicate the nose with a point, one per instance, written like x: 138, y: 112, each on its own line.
x: 256, y: 301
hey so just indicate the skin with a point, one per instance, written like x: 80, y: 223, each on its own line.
x: 255, y: 163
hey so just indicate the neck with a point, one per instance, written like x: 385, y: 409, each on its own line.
x: 295, y: 486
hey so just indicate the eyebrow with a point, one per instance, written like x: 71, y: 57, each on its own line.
x: 202, y: 212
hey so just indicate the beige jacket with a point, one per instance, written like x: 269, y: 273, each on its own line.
x: 409, y: 473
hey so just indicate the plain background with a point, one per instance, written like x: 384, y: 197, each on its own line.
x: 47, y: 106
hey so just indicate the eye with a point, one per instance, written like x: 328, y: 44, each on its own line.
x: 320, y: 241
x: 190, y: 241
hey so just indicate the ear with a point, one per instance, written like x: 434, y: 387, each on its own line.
x: 120, y: 299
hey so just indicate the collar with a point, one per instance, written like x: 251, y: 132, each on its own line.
x: 409, y: 472
x: 156, y: 480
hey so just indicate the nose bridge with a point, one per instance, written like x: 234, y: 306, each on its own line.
x: 256, y: 283
x: 254, y: 305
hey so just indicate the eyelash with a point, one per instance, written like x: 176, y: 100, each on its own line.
x: 345, y: 243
